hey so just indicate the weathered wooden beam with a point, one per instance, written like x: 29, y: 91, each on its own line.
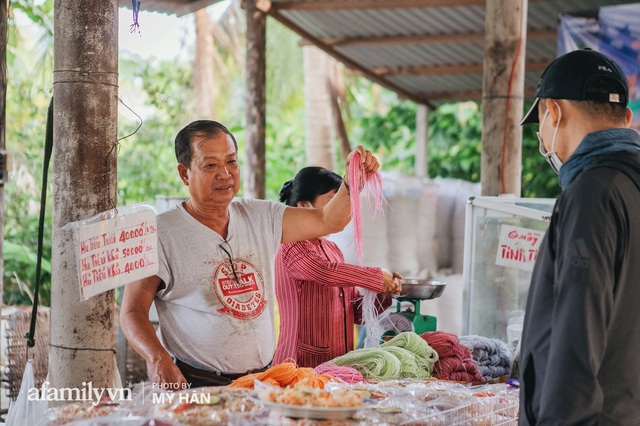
x: 448, y: 69
x: 371, y: 4
x: 465, y: 95
x: 503, y: 96
x: 428, y: 39
x: 429, y: 70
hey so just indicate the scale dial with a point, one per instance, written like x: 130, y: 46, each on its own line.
x: 399, y: 323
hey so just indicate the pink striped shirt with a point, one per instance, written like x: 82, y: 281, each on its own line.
x: 318, y: 301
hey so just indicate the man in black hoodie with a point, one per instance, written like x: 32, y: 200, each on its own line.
x: 580, y: 353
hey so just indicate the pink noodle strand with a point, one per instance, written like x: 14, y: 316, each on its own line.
x: 372, y: 187
x: 348, y: 374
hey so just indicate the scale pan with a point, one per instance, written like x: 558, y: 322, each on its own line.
x: 423, y: 289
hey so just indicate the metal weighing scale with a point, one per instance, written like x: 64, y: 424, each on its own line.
x: 414, y: 290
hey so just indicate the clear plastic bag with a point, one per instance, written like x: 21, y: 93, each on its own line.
x: 28, y: 408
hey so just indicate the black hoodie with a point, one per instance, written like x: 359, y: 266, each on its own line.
x: 580, y: 353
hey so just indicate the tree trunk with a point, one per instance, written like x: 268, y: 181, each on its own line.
x: 317, y: 108
x: 204, y: 75
x: 4, y: 9
x: 4, y: 15
x: 255, y: 162
x: 502, y: 98
x: 84, y: 160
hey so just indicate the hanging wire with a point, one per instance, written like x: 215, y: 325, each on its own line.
x: 135, y: 26
x: 136, y: 114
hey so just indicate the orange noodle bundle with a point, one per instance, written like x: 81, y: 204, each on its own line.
x: 373, y: 184
x: 454, y: 359
x: 284, y: 375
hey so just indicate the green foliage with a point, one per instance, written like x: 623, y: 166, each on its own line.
x: 285, y: 128
x: 39, y: 12
x: 23, y: 258
x: 391, y: 136
x: 454, y: 136
x: 455, y: 148
x: 146, y: 160
x: 285, y: 153
x: 27, y: 104
x: 454, y: 141
x: 41, y: 54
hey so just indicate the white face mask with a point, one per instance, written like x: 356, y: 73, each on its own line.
x: 551, y: 157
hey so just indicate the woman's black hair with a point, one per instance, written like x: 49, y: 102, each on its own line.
x: 309, y: 183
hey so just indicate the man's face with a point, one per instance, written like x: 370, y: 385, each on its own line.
x: 214, y: 175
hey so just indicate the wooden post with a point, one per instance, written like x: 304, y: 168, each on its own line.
x: 84, y: 161
x: 255, y: 163
x: 421, y: 168
x: 502, y: 97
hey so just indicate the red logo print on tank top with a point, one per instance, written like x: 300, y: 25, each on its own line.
x: 244, y: 298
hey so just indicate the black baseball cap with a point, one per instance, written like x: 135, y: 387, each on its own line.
x: 568, y: 77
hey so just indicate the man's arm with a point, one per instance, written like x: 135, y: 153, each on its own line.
x: 302, y: 223
x: 135, y: 323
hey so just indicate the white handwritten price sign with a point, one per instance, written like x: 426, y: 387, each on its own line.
x: 518, y: 247
x: 117, y: 251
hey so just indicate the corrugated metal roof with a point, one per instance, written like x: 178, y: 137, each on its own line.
x: 430, y: 51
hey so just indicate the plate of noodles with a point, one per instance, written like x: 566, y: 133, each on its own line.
x: 303, y: 402
x: 309, y: 412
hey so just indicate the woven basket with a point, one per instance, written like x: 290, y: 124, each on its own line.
x: 17, y: 326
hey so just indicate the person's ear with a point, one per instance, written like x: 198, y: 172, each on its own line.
x: 554, y: 110
x: 628, y: 117
x: 304, y: 204
x: 183, y: 171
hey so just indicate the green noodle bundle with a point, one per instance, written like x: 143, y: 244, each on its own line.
x: 411, y: 366
x: 407, y: 355
x: 371, y: 363
x: 413, y: 343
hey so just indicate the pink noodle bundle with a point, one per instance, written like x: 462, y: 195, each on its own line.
x: 455, y: 361
x: 371, y: 183
x: 348, y: 374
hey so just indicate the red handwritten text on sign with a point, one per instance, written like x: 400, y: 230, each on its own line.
x: 518, y: 247
x: 117, y: 251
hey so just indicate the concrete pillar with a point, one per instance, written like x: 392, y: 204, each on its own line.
x: 84, y: 161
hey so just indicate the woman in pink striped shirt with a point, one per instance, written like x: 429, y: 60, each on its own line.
x: 316, y: 290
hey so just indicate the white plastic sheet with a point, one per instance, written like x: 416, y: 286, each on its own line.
x: 24, y: 411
